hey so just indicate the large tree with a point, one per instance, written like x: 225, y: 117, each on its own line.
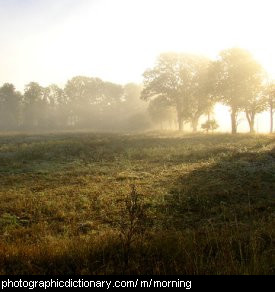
x: 34, y: 105
x: 202, y: 98
x: 10, y: 101
x: 57, y: 109
x: 80, y: 90
x: 160, y: 111
x: 270, y: 93
x: 131, y: 102
x: 253, y: 105
x: 176, y: 78
x: 255, y: 99
x: 109, y: 106
x: 93, y: 101
x: 238, y: 80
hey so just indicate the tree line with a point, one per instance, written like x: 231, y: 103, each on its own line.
x: 193, y: 84
x: 180, y: 88
x: 84, y: 103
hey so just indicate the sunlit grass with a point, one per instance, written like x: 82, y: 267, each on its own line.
x: 209, y: 203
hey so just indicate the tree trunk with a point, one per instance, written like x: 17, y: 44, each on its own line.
x: 271, y: 118
x: 194, y: 124
x: 252, y: 130
x: 208, y: 116
x: 251, y: 121
x: 180, y: 122
x: 234, y: 121
x: 251, y: 125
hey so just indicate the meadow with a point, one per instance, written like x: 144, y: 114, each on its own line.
x: 151, y: 203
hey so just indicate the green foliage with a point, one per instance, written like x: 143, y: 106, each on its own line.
x: 85, y: 102
x: 210, y: 125
x: 180, y: 87
x: 35, y: 106
x: 8, y: 221
x: 10, y: 101
x: 92, y: 100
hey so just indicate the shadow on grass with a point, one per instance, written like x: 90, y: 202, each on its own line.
x: 35, y: 153
x: 217, y: 219
x: 240, y: 188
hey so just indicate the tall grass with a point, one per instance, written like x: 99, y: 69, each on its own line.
x: 145, y: 204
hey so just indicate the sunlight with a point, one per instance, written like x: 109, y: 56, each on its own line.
x: 137, y: 137
x: 118, y: 40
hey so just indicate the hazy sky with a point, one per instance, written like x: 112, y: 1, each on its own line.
x: 53, y: 40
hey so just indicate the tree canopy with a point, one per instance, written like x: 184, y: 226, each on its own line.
x: 180, y: 87
x: 239, y: 78
x: 181, y: 79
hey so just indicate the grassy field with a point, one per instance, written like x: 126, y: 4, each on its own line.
x: 155, y: 203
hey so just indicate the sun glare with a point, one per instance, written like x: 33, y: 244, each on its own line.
x: 118, y: 40
x: 129, y: 37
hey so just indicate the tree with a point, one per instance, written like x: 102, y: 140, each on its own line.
x: 202, y: 99
x: 238, y: 77
x: 254, y: 99
x: 35, y: 104
x: 161, y: 111
x: 176, y: 78
x: 57, y: 110
x: 131, y: 101
x: 93, y: 101
x: 80, y: 90
x: 132, y: 110
x: 254, y: 104
x: 10, y: 100
x: 110, y: 106
x: 270, y: 93
x: 210, y: 125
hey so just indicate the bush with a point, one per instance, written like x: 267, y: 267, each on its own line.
x: 210, y: 125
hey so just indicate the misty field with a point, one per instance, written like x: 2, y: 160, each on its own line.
x: 155, y: 203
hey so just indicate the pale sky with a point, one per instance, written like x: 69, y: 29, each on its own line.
x: 51, y: 41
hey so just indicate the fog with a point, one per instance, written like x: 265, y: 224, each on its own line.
x: 137, y: 138
x: 88, y: 103
x: 47, y: 44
